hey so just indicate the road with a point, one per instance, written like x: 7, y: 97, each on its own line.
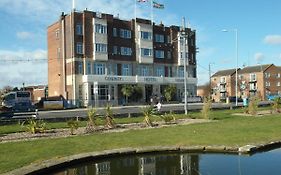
x: 124, y: 111
x: 117, y: 111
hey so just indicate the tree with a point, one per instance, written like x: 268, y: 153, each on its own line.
x: 127, y: 90
x: 169, y: 92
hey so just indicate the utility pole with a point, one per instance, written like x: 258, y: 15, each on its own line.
x: 184, y: 35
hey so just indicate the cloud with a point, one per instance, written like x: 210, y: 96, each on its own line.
x: 259, y: 57
x: 272, y: 39
x: 21, y: 66
x: 24, y: 35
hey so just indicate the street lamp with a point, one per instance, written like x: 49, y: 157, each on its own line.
x: 184, y: 35
x: 236, y: 74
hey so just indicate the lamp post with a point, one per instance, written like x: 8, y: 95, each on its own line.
x: 236, y: 73
x: 184, y: 35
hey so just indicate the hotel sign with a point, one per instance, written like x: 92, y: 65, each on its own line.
x: 113, y: 78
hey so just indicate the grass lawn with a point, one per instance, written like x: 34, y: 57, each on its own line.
x: 226, y: 130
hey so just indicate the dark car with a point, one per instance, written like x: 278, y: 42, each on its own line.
x: 233, y: 99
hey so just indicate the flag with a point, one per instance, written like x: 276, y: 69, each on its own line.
x: 142, y: 0
x: 158, y: 5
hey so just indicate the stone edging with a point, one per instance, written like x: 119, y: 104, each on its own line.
x: 52, y: 164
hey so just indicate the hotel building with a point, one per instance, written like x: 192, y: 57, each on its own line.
x: 91, y: 55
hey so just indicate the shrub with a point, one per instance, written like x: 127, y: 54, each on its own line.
x: 205, y: 112
x: 109, y: 117
x: 73, y: 125
x: 276, y: 104
x: 148, y: 112
x: 92, y: 117
x: 34, y: 126
x: 253, y: 105
x: 168, y: 118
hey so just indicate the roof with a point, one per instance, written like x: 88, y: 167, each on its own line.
x: 258, y: 68
x: 225, y: 72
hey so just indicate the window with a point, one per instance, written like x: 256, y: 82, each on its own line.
x: 126, y: 70
x: 99, y: 28
x: 99, y: 68
x: 58, y: 52
x: 80, y: 67
x: 115, y: 50
x: 186, y: 55
x: 181, y: 72
x: 115, y: 32
x: 79, y: 29
x: 57, y: 34
x: 240, y: 77
x: 160, y: 71
x: 79, y: 48
x: 267, y: 84
x: 278, y: 83
x: 125, y: 33
x: 168, y: 39
x: 278, y: 75
x: 253, y: 77
x: 222, y: 80
x: 146, y: 52
x: 101, y: 47
x: 159, y: 38
x: 267, y: 75
x: 253, y: 86
x: 159, y: 53
x: 89, y: 66
x: 112, y: 69
x: 103, y: 92
x: 146, y: 35
x: 126, y: 51
x: 169, y: 54
x: 144, y: 71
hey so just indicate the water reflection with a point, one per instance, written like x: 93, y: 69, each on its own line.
x: 182, y: 164
x: 171, y: 164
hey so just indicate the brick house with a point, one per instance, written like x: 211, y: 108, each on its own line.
x: 91, y: 55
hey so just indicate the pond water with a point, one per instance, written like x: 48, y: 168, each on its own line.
x: 266, y: 163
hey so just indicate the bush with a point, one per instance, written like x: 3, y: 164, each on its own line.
x: 148, y: 112
x: 109, y: 117
x: 73, y: 125
x: 253, y: 105
x: 205, y: 112
x: 168, y: 118
x: 92, y: 117
x: 34, y: 126
x: 276, y: 104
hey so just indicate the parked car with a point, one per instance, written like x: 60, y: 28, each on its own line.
x: 193, y: 99
x: 232, y: 99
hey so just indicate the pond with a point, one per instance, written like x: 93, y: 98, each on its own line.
x: 181, y: 164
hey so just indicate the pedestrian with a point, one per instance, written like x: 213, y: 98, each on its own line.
x: 159, y: 105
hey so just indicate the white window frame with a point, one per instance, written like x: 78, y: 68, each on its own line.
x: 146, y: 35
x: 126, y: 70
x: 100, y: 28
x: 253, y: 77
x: 160, y: 71
x: 101, y: 48
x: 278, y: 84
x: 146, y: 52
x: 99, y: 68
x: 144, y: 71
x: 80, y: 67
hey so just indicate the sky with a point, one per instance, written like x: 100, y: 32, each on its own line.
x: 23, y: 32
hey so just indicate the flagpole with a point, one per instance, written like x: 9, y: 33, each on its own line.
x: 151, y: 8
x: 73, y: 5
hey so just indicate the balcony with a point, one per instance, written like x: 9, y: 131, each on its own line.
x: 253, y: 90
x: 252, y: 80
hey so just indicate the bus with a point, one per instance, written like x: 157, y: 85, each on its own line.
x: 18, y: 101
